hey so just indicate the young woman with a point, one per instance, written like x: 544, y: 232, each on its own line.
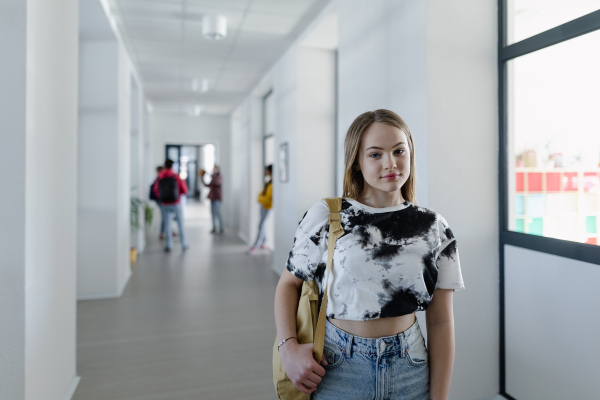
x: 214, y: 196
x: 394, y: 259
x: 265, y: 198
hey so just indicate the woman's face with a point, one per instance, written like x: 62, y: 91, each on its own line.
x: 267, y: 172
x: 384, y: 158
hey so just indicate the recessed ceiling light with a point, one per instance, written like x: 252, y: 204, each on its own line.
x: 195, y: 111
x: 214, y: 27
x: 205, y: 84
x: 202, y: 87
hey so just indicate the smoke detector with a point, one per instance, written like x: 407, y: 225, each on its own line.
x: 214, y: 27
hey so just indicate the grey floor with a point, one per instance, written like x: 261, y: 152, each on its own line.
x: 194, y: 325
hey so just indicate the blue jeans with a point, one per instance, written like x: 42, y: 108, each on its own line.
x: 215, y: 209
x: 162, y: 218
x: 262, y: 228
x: 178, y: 211
x: 387, y: 368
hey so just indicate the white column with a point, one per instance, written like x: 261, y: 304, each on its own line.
x: 138, y: 186
x: 104, y: 170
x: 38, y: 115
x: 13, y: 81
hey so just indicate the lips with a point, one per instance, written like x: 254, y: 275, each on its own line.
x: 390, y: 176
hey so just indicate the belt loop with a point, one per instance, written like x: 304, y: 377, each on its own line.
x: 349, y: 346
x: 403, y: 346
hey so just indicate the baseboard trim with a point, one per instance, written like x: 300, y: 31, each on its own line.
x: 98, y: 296
x: 496, y: 397
x: 125, y: 281
x: 110, y: 295
x: 72, y: 387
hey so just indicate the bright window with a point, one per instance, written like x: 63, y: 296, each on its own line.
x: 526, y: 18
x: 553, y: 109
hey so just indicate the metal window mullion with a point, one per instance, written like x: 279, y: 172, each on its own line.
x: 569, y: 30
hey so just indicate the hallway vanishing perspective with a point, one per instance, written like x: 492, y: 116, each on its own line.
x: 193, y: 325
x: 250, y: 103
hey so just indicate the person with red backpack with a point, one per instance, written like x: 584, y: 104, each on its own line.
x: 168, y: 189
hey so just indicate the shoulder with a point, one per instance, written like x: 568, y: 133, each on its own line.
x: 319, y: 210
x: 316, y: 216
x: 443, y: 228
x: 439, y: 222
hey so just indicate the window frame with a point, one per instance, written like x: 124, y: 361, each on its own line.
x: 573, y: 250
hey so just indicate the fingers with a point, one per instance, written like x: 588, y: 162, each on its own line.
x: 319, y: 370
x: 308, y: 382
x: 323, y: 361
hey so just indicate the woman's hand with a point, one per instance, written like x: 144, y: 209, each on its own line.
x: 202, y: 172
x: 300, y: 365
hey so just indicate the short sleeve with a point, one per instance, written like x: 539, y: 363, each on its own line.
x: 310, y: 242
x: 448, y: 262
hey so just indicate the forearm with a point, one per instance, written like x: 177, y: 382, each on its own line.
x: 440, y: 342
x: 286, y: 306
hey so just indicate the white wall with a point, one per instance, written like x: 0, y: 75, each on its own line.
x: 138, y: 183
x: 104, y: 169
x: 434, y: 64
x: 13, y: 151
x: 303, y: 84
x: 552, y: 325
x: 166, y: 128
x: 123, y: 179
x: 38, y: 58
x: 316, y: 126
x: 462, y: 141
x: 247, y: 150
x: 382, y: 64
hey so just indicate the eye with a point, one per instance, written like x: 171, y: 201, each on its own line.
x: 398, y: 151
x: 374, y: 155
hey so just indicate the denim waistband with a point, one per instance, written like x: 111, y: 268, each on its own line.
x: 374, y: 346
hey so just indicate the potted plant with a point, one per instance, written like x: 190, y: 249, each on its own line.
x: 136, y: 205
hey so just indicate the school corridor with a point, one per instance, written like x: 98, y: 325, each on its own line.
x: 193, y: 325
x: 250, y: 103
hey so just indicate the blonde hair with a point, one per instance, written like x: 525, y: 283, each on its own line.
x: 354, y: 182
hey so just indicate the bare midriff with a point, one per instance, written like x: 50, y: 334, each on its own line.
x: 376, y: 328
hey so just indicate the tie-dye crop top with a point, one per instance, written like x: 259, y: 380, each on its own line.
x: 387, y: 264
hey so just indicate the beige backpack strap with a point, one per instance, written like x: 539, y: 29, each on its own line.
x: 335, y: 231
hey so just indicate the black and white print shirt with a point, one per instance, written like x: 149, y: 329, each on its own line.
x: 387, y: 264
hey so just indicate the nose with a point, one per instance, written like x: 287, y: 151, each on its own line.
x: 389, y: 163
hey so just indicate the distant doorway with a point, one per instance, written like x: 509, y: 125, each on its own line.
x: 187, y: 160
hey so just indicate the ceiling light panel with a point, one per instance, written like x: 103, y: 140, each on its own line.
x: 293, y: 8
x: 231, y: 4
x: 270, y: 23
x: 234, y: 16
x: 167, y: 47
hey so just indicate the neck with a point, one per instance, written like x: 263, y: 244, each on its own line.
x: 379, y: 199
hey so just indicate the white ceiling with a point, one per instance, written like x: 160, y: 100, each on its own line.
x: 165, y: 42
